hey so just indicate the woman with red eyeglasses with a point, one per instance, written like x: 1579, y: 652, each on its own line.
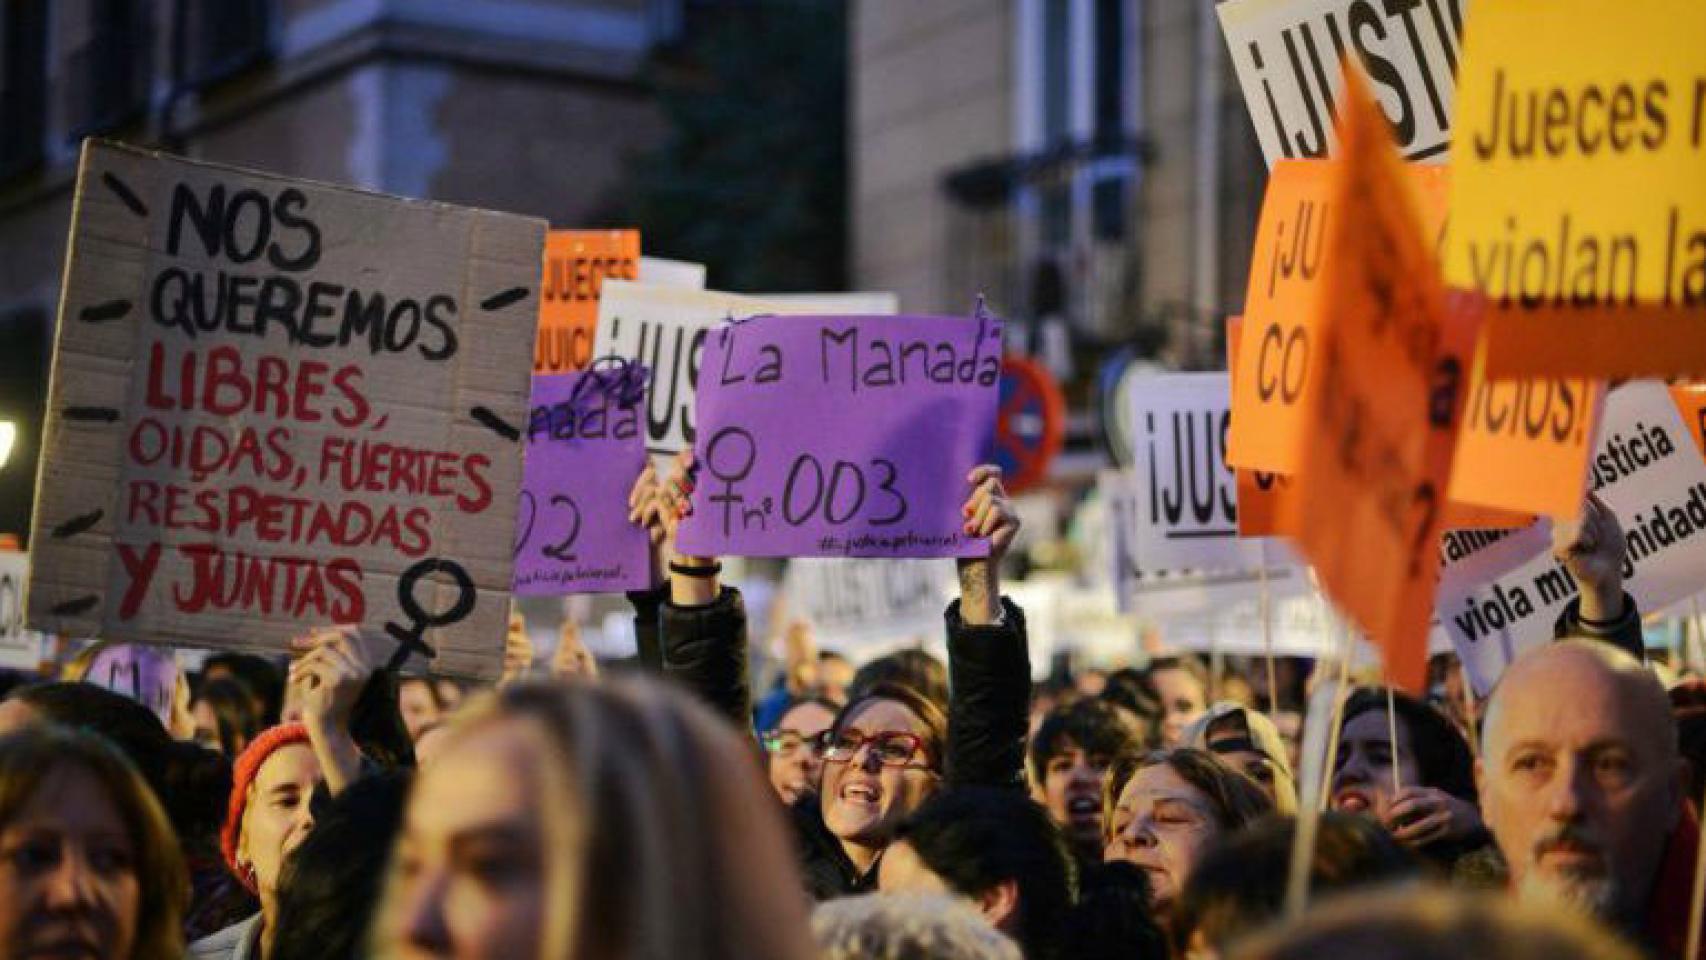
x: 888, y: 749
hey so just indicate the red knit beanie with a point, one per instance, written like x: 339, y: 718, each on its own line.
x: 243, y: 774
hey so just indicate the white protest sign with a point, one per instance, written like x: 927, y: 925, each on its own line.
x: 1645, y: 468
x: 1288, y: 54
x: 278, y: 403
x: 664, y: 328
x: 854, y: 304
x: 20, y: 649
x: 1186, y: 500
x: 664, y: 272
x: 857, y: 604
x: 1160, y: 592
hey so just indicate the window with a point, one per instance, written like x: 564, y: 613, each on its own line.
x: 1076, y: 125
x: 23, y: 85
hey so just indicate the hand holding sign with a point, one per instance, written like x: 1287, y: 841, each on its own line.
x: 989, y: 515
x: 1592, y: 549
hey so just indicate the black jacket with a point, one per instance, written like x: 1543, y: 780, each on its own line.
x: 1623, y: 633
x: 989, y: 668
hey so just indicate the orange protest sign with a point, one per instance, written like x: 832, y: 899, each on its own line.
x: 1381, y: 415
x: 576, y: 265
x: 1524, y: 447
x: 1691, y: 403
x: 1262, y: 495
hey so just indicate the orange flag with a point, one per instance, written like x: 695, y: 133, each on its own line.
x: 1382, y: 412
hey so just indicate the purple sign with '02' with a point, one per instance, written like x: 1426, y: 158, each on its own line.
x: 585, y: 448
x: 841, y: 436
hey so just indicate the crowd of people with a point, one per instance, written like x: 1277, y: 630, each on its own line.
x: 902, y: 808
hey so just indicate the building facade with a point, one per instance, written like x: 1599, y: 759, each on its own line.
x: 530, y: 106
x: 1090, y: 160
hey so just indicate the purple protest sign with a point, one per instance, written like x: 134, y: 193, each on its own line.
x: 841, y: 436
x: 585, y: 448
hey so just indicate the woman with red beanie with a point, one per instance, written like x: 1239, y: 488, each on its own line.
x: 268, y: 817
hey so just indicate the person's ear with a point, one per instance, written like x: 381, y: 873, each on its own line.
x: 1000, y: 904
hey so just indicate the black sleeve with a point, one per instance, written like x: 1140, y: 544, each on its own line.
x: 989, y: 668
x: 1623, y: 633
x: 704, y: 649
x: 648, y: 610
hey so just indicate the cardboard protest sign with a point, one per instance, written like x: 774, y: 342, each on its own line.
x: 577, y: 262
x: 20, y: 648
x: 1578, y: 202
x: 859, y: 605
x: 585, y: 449
x: 842, y: 436
x: 1288, y: 54
x: 663, y: 328
x: 1504, y: 599
x: 277, y: 404
x: 1187, y: 507
x: 1382, y: 412
x: 1524, y: 445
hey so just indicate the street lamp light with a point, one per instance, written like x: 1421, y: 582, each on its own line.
x: 8, y: 436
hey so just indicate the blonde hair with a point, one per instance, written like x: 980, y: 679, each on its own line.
x: 29, y: 757
x: 661, y: 839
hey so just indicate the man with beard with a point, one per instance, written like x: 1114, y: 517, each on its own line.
x: 1582, y: 786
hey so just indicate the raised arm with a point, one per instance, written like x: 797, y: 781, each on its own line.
x: 1592, y: 549
x: 988, y: 663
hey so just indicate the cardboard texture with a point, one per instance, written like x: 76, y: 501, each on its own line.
x: 277, y: 404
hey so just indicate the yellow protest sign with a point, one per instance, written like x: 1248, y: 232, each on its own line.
x: 1381, y: 414
x: 1578, y: 200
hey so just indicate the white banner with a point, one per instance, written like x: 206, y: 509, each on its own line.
x: 854, y: 606
x: 1288, y: 53
x: 1504, y: 598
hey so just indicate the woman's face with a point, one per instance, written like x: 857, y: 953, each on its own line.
x: 1161, y: 824
x: 1183, y: 700
x: 276, y: 819
x: 68, y: 884
x: 863, y: 798
x: 794, y: 760
x: 416, y: 703
x: 1362, y: 771
x: 470, y: 875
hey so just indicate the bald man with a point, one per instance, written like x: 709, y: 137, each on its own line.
x: 1582, y: 786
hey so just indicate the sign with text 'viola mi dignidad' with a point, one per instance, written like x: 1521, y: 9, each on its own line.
x: 1578, y: 197
x: 842, y: 436
x: 1500, y: 595
x: 277, y: 404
